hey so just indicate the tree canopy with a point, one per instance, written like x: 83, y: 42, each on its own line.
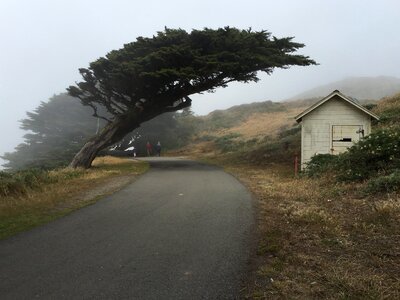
x: 158, y: 74
x: 161, y: 70
x: 57, y: 129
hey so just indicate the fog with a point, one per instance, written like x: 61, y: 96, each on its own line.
x: 44, y: 42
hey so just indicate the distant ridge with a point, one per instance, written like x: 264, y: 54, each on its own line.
x: 371, y: 88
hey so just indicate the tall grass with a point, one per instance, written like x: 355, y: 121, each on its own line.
x: 23, y: 182
x: 32, y: 197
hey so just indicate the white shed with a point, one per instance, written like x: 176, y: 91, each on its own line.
x: 332, y: 125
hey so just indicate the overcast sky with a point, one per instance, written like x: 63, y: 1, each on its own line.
x: 44, y: 42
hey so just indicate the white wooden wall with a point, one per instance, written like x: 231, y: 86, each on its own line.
x: 316, y: 129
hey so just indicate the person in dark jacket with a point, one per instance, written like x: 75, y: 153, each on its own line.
x: 158, y: 148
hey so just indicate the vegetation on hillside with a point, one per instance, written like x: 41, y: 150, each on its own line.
x: 235, y: 115
x: 333, y: 235
x: 372, y: 88
x: 58, y: 128
x: 155, y: 75
x: 55, y: 132
x: 32, y: 197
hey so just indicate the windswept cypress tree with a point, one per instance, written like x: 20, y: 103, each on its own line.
x: 155, y: 75
x: 57, y: 129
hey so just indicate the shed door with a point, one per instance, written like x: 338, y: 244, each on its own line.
x: 344, y: 136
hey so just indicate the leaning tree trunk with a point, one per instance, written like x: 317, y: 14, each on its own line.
x: 110, y: 134
x: 121, y: 126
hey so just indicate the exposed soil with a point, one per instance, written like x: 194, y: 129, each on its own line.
x: 103, y: 187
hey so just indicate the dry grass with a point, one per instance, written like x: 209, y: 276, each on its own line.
x: 320, y: 240
x: 387, y: 103
x: 70, y: 189
x: 258, y: 125
x: 271, y: 124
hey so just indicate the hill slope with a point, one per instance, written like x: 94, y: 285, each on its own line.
x: 359, y: 87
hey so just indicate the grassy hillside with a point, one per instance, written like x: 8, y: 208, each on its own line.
x: 258, y: 133
x: 389, y: 111
x: 250, y: 132
x: 319, y: 238
x: 358, y: 87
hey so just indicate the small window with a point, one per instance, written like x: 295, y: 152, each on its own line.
x: 343, y: 140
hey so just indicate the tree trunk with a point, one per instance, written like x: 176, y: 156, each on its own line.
x: 110, y: 134
x: 116, y: 130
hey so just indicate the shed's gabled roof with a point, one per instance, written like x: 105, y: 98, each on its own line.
x: 329, y: 97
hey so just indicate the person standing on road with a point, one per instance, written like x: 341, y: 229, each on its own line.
x: 149, y: 149
x: 158, y: 148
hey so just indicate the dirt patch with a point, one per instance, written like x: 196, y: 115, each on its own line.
x: 110, y: 186
x: 101, y: 189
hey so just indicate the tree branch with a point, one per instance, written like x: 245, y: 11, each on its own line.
x: 185, y: 102
x: 95, y: 113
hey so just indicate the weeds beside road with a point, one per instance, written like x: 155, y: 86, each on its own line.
x: 32, y: 198
x: 319, y: 239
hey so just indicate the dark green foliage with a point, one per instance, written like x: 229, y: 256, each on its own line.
x: 376, y: 157
x: 144, y: 79
x: 374, y: 160
x: 205, y: 138
x: 19, y: 183
x: 321, y: 164
x: 388, y: 110
x: 60, y: 127
x: 295, y: 130
x: 390, y: 116
x: 370, y: 106
x: 378, y: 154
x: 158, y: 71
x: 227, y: 142
x: 155, y: 75
x: 384, y: 184
x: 282, y: 149
x: 57, y: 130
x: 173, y: 130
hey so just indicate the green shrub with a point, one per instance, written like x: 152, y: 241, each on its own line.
x: 390, y: 116
x: 291, y: 131
x: 205, y: 138
x: 377, y: 154
x: 320, y: 164
x: 20, y: 182
x: 227, y: 143
x: 388, y: 183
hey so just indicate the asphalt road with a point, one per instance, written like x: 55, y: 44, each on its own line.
x: 181, y: 231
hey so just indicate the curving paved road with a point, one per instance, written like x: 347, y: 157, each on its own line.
x: 181, y: 231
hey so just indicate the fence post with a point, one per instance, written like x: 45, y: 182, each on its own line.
x: 296, y: 165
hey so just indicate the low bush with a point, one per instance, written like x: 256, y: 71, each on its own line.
x: 376, y: 155
x: 389, y: 183
x: 229, y: 143
x: 321, y: 164
x: 20, y: 182
x: 280, y: 149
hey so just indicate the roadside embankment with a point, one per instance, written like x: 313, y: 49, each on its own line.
x: 31, y: 198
